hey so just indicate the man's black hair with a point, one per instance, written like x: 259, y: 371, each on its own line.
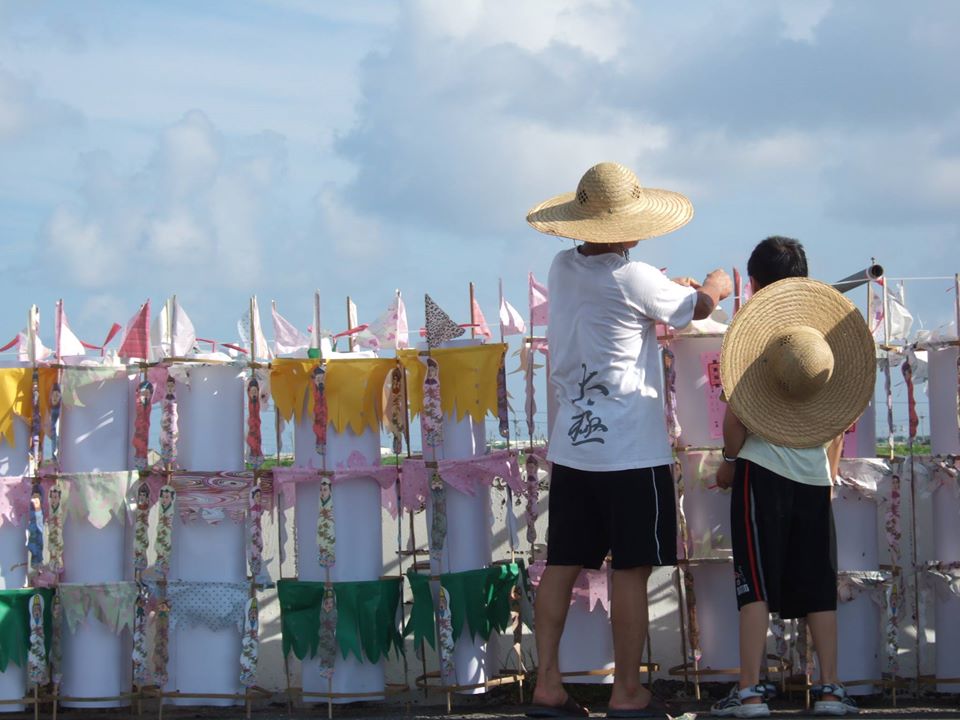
x: 777, y: 258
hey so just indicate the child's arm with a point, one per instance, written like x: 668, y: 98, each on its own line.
x: 734, y: 435
x: 834, y: 451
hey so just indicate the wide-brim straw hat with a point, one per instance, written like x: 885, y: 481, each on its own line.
x: 797, y: 363
x: 611, y: 206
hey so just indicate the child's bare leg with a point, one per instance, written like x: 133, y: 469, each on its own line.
x: 823, y: 628
x: 754, y: 621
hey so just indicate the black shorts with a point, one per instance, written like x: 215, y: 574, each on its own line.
x: 784, y: 542
x: 629, y: 513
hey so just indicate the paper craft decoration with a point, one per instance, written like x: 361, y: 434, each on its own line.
x: 141, y: 424
x: 55, y: 529
x: 141, y: 670
x: 35, y: 527
x: 141, y: 528
x: 113, y: 604
x: 256, y: 531
x: 438, y: 505
x: 327, y: 648
x: 254, y: 438
x: 478, y: 320
x: 670, y: 400
x: 135, y: 342
x: 36, y: 429
x: 913, y: 419
x: 17, y: 397
x: 539, y: 302
x: 530, y: 400
x: 164, y: 539
x: 286, y: 338
x: 37, y: 669
x: 326, y: 527
x: 503, y: 406
x: 172, y: 334
x: 16, y: 624
x: 56, y: 642
x: 320, y: 418
x: 53, y: 430
x: 510, y: 321
x: 396, y: 415
x: 533, y: 497
x: 710, y: 362
x: 169, y: 424
x: 440, y: 328
x: 431, y: 417
x: 161, y: 642
x: 387, y: 331
x: 445, y: 634
x: 250, y: 645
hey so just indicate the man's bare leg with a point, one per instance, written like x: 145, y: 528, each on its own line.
x: 754, y: 621
x: 630, y: 621
x: 823, y: 628
x: 552, y: 603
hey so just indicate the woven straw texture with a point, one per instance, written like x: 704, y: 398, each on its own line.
x: 610, y: 206
x: 820, y: 412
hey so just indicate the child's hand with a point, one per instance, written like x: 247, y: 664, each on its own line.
x: 725, y: 475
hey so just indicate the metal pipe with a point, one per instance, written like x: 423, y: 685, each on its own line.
x: 872, y: 272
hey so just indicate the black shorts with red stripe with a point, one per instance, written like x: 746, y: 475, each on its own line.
x: 784, y: 542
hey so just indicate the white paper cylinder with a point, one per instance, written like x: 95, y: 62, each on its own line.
x: 91, y: 555
x: 942, y: 392
x: 13, y: 556
x: 858, y: 642
x: 97, y: 435
x: 696, y: 428
x: 14, y: 458
x: 586, y: 644
x: 210, y: 414
x: 946, y: 523
x: 13, y: 686
x: 948, y: 639
x: 707, y: 509
x: 204, y: 661
x: 718, y: 616
x: 861, y: 442
x: 96, y: 663
x: 855, y: 519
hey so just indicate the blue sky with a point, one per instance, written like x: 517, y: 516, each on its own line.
x: 220, y: 149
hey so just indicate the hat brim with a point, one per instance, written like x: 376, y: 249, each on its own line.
x: 750, y: 386
x: 655, y: 213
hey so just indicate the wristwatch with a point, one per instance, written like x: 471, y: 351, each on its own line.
x: 723, y: 454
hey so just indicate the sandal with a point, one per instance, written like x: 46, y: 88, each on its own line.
x: 569, y: 708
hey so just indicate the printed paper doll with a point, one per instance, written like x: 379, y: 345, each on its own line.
x: 327, y: 648
x: 438, y: 528
x: 256, y: 531
x: 320, y: 408
x: 164, y: 541
x: 326, y: 526
x: 37, y: 654
x: 141, y: 424
x: 55, y: 529
x: 250, y: 644
x: 169, y: 424
x: 56, y: 398
x: 35, y: 527
x: 254, y: 437
x: 431, y: 418
x: 141, y: 537
x: 445, y: 632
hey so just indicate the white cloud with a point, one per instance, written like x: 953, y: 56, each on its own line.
x: 23, y: 112
x: 800, y: 18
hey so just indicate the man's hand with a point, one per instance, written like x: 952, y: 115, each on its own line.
x: 725, y: 475
x: 687, y: 282
x: 720, y: 281
x: 716, y: 286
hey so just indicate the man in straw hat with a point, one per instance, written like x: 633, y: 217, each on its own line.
x: 611, y: 488
x: 798, y: 368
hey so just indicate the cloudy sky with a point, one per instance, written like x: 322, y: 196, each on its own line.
x: 220, y: 149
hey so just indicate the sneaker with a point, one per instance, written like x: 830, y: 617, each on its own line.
x: 733, y: 706
x: 843, y: 705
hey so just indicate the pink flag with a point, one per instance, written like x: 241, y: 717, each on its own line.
x: 387, y: 331
x: 67, y: 344
x: 479, y: 320
x: 136, y: 338
x: 286, y: 337
x: 510, y: 321
x: 539, y: 302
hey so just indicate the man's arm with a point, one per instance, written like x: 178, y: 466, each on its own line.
x: 716, y: 287
x: 834, y: 451
x: 734, y: 436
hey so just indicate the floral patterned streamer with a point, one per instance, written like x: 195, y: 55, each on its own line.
x: 889, y: 392
x: 161, y: 641
x: 256, y: 531
x: 503, y: 407
x: 169, y: 424
x: 56, y: 403
x: 694, y: 624
x: 431, y: 417
x: 320, y: 408
x: 397, y: 414
x: 141, y: 424
x: 326, y: 526
x: 164, y: 539
x: 56, y: 642
x: 35, y: 527
x: 37, y: 669
x: 445, y: 633
x: 55, y: 529
x: 670, y: 401
x: 250, y: 645
x: 141, y: 673
x: 141, y: 528
x: 533, y: 496
x: 327, y: 648
x: 893, y: 593
x: 36, y: 448
x: 254, y: 436
x: 438, y: 528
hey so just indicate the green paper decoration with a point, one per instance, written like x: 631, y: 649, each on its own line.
x: 366, y: 617
x: 15, y: 624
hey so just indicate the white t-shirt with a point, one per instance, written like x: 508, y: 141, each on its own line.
x: 803, y: 465
x: 605, y: 362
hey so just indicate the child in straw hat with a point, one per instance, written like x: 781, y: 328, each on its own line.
x: 611, y: 488
x: 797, y: 368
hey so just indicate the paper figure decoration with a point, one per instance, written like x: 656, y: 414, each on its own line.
x: 250, y: 644
x: 38, y: 671
x: 169, y: 424
x: 254, y: 438
x: 327, y: 648
x: 670, y: 400
x: 533, y: 496
x: 319, y: 376
x: 141, y: 424
x: 539, y: 302
x: 141, y: 672
x: 530, y: 401
x: 161, y: 642
x: 56, y: 641
x: 256, y: 531
x: 710, y: 362
x: 54, y: 527
x: 164, y: 539
x: 503, y: 406
x: 445, y: 634
x: 431, y: 418
x: 141, y: 528
x: 440, y: 328
x: 396, y: 404
x: 913, y: 418
x: 36, y: 430
x: 326, y: 527
x: 56, y: 398
x: 438, y: 528
x: 35, y: 527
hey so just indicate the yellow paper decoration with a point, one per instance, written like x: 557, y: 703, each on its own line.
x: 468, y: 379
x: 353, y: 390
x: 16, y: 396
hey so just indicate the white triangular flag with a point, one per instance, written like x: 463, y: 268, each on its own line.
x: 67, y: 343
x: 286, y: 338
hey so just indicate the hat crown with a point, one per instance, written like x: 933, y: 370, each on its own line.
x: 607, y: 188
x: 801, y: 362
